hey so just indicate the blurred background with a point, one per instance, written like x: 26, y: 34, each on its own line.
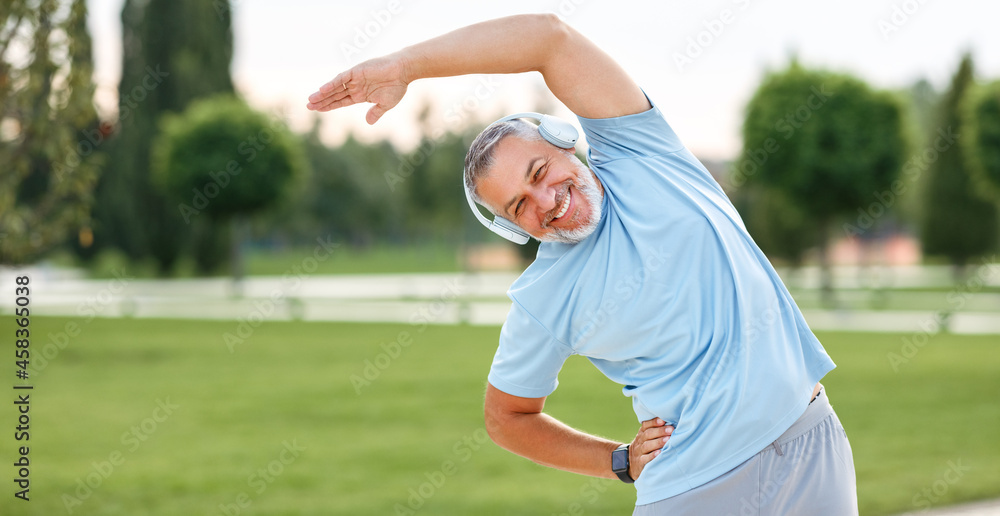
x: 238, y: 306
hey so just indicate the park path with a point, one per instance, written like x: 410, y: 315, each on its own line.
x: 479, y: 298
x: 986, y: 508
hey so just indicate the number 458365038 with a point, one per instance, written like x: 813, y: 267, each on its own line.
x: 21, y: 334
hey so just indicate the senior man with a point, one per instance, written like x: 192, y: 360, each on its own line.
x: 646, y: 269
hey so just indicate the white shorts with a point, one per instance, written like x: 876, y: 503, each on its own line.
x: 808, y: 470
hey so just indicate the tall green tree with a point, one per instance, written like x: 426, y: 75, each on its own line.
x: 174, y: 51
x: 827, y: 142
x: 958, y: 224
x: 224, y: 161
x: 922, y: 102
x: 982, y: 143
x: 49, y: 130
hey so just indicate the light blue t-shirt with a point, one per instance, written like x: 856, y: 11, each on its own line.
x: 672, y: 299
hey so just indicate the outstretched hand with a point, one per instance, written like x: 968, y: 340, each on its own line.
x: 380, y: 81
x: 652, y: 436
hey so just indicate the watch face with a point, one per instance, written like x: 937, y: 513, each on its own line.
x: 619, y: 460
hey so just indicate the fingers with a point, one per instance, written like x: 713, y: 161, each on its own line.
x: 652, y: 437
x: 375, y: 113
x: 337, y: 85
x: 324, y: 102
x: 650, y: 423
x: 334, y: 91
x: 331, y: 103
x: 653, y: 428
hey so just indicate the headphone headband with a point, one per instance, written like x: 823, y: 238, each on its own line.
x: 556, y: 131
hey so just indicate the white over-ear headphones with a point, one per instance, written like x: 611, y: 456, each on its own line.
x: 554, y: 130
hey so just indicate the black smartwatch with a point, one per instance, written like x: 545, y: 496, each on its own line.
x: 619, y: 464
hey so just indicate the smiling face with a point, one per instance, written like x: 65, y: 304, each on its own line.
x: 543, y: 189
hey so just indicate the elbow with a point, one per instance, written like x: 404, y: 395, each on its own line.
x: 553, y: 35
x: 505, y: 416
x: 551, y: 21
x: 557, y: 31
x: 494, y: 423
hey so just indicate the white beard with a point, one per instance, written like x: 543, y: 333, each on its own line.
x: 592, y: 197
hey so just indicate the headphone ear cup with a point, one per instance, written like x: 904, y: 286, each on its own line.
x: 558, y: 132
x: 518, y: 235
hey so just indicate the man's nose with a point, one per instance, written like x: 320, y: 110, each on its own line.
x: 545, y: 198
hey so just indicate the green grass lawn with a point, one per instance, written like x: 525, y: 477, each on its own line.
x: 414, y: 434
x: 377, y: 259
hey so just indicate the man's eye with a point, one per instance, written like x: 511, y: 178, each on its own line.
x: 517, y: 210
x: 538, y: 172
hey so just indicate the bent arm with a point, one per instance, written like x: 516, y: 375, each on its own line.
x: 519, y: 426
x: 578, y: 73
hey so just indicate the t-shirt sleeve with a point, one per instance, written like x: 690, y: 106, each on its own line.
x: 640, y: 137
x: 528, y: 359
x: 630, y: 136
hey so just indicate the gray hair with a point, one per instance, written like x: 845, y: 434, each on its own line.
x: 479, y: 160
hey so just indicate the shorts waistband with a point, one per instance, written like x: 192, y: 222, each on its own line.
x: 818, y: 410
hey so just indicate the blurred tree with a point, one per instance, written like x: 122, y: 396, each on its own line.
x: 48, y: 126
x: 922, y: 100
x: 174, y: 51
x: 923, y: 103
x: 826, y: 142
x: 780, y: 228
x: 222, y: 159
x: 344, y: 198
x: 434, y: 193
x: 981, y: 116
x: 384, y: 214
x: 958, y: 223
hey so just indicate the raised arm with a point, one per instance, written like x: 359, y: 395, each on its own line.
x: 578, y: 73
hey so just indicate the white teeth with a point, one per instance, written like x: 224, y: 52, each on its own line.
x: 565, y: 206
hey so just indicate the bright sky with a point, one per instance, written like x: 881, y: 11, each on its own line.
x: 286, y: 49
